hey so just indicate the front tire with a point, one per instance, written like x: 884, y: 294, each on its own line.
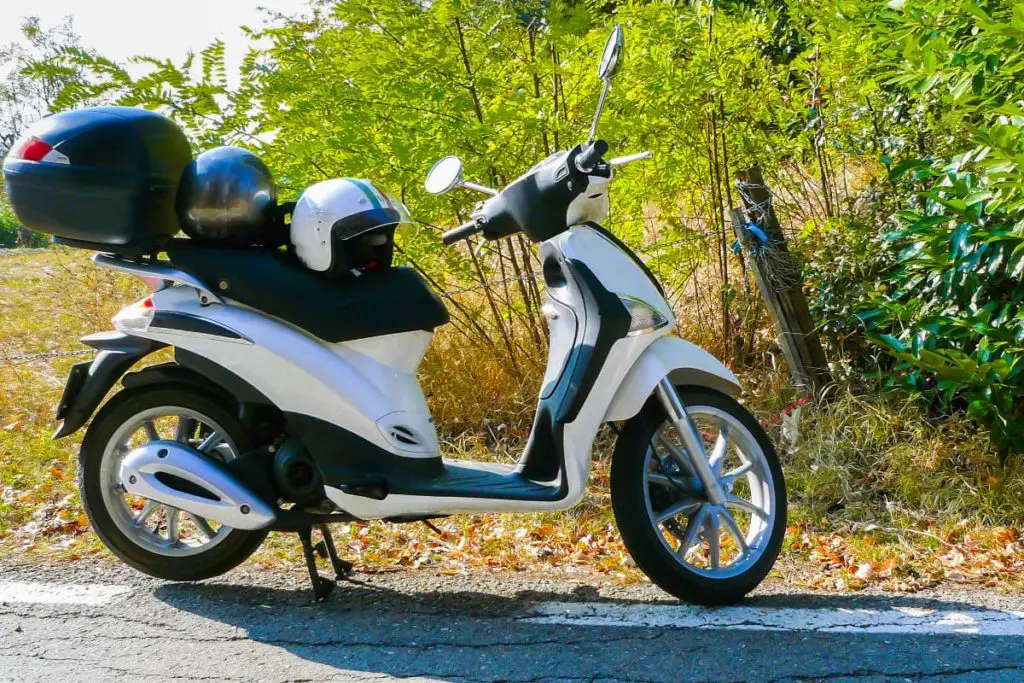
x: 155, y: 539
x: 699, y: 552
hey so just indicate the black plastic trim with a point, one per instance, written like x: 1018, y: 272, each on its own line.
x: 183, y: 322
x: 347, y: 459
x: 76, y: 379
x: 117, y: 353
x: 184, y: 485
x: 607, y: 321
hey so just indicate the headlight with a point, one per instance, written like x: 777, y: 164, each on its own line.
x: 643, y: 317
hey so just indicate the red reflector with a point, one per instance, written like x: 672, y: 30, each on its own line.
x: 31, y: 149
x: 147, y: 302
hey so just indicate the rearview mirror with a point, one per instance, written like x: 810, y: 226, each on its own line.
x: 606, y: 70
x: 444, y: 176
x: 612, y: 57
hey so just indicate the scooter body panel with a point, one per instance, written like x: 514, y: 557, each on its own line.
x: 366, y: 387
x: 684, y: 363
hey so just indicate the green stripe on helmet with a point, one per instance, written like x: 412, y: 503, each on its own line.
x: 368, y: 191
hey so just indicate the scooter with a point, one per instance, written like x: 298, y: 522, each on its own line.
x: 300, y: 407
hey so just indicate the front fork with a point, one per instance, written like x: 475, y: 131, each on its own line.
x: 693, y: 442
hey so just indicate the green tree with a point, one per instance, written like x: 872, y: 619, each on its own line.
x: 35, y: 75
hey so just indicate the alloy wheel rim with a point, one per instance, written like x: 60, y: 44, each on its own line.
x: 714, y: 541
x: 153, y: 526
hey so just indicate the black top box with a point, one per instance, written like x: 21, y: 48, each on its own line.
x: 103, y: 178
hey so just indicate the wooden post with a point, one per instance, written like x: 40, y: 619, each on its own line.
x: 779, y: 278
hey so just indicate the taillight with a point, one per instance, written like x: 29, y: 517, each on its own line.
x: 34, y: 149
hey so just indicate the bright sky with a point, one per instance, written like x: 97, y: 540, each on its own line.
x: 119, y: 29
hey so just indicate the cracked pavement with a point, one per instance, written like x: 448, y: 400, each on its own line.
x: 419, y: 625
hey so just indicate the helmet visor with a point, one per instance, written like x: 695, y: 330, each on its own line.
x: 387, y: 212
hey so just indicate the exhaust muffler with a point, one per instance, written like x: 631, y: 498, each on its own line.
x: 171, y: 473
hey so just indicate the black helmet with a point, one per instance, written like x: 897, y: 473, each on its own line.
x: 227, y: 195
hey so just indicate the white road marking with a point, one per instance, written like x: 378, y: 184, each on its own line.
x: 60, y: 594
x: 895, y: 620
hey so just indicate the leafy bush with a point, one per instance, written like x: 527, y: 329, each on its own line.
x: 950, y: 309
x: 10, y: 227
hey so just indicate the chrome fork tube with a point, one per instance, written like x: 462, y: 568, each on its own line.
x: 692, y: 440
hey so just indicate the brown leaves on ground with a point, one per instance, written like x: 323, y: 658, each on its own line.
x: 903, y: 560
x: 523, y: 543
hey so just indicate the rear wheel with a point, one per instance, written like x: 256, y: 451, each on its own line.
x: 694, y: 549
x: 157, y: 539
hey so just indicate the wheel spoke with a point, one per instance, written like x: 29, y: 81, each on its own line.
x: 692, y: 532
x: 720, y: 451
x: 186, y: 427
x: 660, y: 479
x: 729, y: 478
x: 678, y: 508
x: 147, y: 511
x: 209, y: 442
x: 732, y: 500
x: 729, y: 522
x: 173, y: 515
x: 678, y: 454
x: 714, y: 539
x: 151, y: 432
x: 204, y: 528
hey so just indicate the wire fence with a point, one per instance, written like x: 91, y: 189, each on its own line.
x: 43, y: 355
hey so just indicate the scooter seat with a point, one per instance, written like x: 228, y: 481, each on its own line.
x: 273, y: 281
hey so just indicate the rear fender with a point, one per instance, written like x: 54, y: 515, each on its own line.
x: 682, y: 362
x: 90, y: 381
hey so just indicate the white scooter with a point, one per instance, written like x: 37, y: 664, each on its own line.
x: 266, y: 422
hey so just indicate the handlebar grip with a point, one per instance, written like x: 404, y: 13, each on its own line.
x: 588, y: 158
x: 462, y: 232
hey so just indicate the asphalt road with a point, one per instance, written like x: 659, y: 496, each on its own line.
x: 101, y: 622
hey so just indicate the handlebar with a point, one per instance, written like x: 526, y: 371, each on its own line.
x: 591, y: 155
x: 462, y: 232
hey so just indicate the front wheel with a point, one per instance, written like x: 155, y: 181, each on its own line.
x: 696, y: 550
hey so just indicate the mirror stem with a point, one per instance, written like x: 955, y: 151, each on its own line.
x: 480, y: 188
x: 600, y: 105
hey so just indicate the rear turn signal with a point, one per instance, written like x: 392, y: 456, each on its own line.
x: 136, y: 317
x: 33, y: 149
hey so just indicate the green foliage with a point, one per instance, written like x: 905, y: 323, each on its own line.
x: 855, y: 110
x: 8, y: 225
x: 943, y: 294
x: 11, y: 232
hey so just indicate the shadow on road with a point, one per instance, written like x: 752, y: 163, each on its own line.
x: 473, y: 635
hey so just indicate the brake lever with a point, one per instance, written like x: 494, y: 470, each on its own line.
x: 629, y: 158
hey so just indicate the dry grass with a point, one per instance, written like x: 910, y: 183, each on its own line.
x: 880, y: 493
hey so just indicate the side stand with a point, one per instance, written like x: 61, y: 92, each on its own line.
x: 325, y: 548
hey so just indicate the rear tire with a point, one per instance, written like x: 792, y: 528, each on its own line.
x: 232, y: 546
x: 654, y: 546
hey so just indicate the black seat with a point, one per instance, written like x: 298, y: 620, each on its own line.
x: 379, y: 302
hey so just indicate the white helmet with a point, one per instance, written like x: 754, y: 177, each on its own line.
x: 345, y: 225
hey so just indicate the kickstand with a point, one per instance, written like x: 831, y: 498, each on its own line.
x: 321, y: 587
x: 325, y: 548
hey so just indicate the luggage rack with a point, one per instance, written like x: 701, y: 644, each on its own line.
x: 156, y: 269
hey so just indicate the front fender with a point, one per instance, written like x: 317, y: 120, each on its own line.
x: 89, y: 382
x: 682, y: 362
